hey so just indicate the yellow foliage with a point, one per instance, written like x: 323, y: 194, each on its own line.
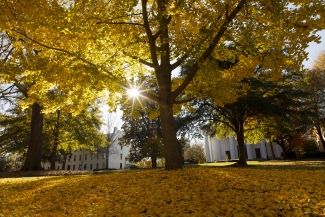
x: 187, y: 192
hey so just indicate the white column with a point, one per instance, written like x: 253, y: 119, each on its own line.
x: 213, y: 149
x: 249, y: 151
x: 263, y: 151
x: 278, y: 149
x: 232, y: 147
x: 207, y: 149
x: 218, y: 149
x: 210, y: 148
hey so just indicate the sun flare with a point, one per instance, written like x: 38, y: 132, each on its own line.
x: 133, y: 92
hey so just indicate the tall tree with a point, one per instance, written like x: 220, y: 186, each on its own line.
x: 162, y: 34
x: 263, y: 98
x: 24, y: 70
x: 142, y: 133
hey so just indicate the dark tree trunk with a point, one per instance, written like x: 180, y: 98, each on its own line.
x: 241, y: 143
x: 272, y: 151
x: 33, y: 158
x: 154, y: 161
x: 284, y: 151
x: 53, y: 156
x: 56, y: 141
x: 107, y: 156
x: 172, y: 149
x: 64, y: 161
x: 320, y: 134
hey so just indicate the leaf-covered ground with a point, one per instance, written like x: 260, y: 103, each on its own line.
x: 188, y: 192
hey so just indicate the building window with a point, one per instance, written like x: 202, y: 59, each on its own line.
x: 85, y: 166
x: 58, y: 167
x: 73, y: 167
x: 69, y: 157
x: 103, y: 165
x: 121, y: 165
x: 97, y: 156
x: 85, y: 156
x: 80, y: 149
x: 91, y: 156
x: 97, y: 165
x: 121, y: 147
x: 80, y: 157
x: 74, y: 157
x: 121, y: 156
x: 68, y: 168
x: 91, y: 166
x: 104, y: 155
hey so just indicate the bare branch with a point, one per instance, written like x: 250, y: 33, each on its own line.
x: 11, y: 10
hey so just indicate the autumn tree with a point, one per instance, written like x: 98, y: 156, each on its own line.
x: 65, y: 132
x: 264, y: 98
x: 315, y: 85
x: 194, y: 153
x: 23, y: 73
x: 62, y: 132
x: 116, y: 39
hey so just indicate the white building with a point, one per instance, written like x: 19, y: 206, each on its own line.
x: 223, y: 149
x: 84, y: 159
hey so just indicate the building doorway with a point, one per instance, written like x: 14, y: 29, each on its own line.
x: 228, y: 156
x: 258, y: 153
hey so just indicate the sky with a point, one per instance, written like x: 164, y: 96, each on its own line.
x: 314, y: 49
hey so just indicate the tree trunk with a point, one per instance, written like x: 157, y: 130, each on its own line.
x: 64, y: 161
x: 154, y: 161
x: 107, y: 156
x: 241, y: 143
x: 56, y: 141
x: 272, y: 150
x: 284, y: 151
x: 53, y: 156
x: 320, y: 134
x: 172, y: 149
x: 33, y: 158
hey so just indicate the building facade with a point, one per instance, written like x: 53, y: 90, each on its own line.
x: 83, y: 159
x: 227, y: 149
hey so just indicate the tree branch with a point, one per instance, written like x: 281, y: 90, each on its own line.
x: 155, y: 36
x: 21, y: 88
x: 141, y: 60
x: 152, y: 44
x: 63, y: 51
x: 184, y: 101
x: 120, y: 23
x: 208, y: 51
x: 178, y: 62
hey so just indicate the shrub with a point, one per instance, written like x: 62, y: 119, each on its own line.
x: 309, y: 146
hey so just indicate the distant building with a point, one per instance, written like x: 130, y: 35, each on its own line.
x: 84, y: 159
x: 226, y: 149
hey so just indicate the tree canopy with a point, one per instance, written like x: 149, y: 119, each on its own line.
x: 97, y: 44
